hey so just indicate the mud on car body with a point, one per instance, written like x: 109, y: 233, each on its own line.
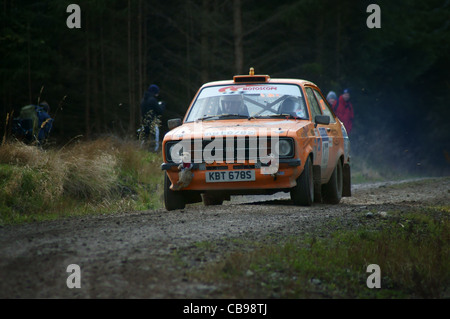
x: 256, y: 135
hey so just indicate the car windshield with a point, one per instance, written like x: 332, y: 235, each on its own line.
x: 249, y: 101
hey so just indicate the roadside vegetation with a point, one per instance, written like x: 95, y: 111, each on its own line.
x: 96, y: 177
x: 412, y: 249
x: 102, y: 176
x: 367, y: 170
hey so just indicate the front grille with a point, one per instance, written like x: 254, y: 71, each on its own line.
x: 225, y: 150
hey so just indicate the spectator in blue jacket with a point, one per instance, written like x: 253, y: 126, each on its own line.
x: 151, y: 111
x: 45, y: 122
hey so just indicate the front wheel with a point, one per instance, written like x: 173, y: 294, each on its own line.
x: 332, y: 191
x: 303, y: 193
x: 172, y: 199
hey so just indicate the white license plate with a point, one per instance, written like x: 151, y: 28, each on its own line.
x: 230, y: 176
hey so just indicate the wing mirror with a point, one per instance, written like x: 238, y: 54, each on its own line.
x: 173, y: 123
x: 322, y: 119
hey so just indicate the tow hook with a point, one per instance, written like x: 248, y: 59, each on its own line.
x: 185, y: 173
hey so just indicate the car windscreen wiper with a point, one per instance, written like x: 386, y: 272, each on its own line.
x: 207, y: 117
x: 282, y: 115
x: 220, y: 116
x: 232, y: 115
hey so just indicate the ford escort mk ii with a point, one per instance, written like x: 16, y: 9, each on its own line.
x: 256, y: 135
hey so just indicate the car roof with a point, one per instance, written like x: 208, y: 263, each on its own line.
x: 250, y: 79
x: 269, y: 81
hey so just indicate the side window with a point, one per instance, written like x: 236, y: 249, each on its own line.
x: 315, y: 109
x: 324, y: 106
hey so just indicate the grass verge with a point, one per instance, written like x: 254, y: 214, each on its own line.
x: 412, y: 250
x: 100, y: 176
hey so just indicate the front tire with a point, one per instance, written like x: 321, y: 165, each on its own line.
x: 303, y: 193
x: 172, y: 199
x: 332, y: 191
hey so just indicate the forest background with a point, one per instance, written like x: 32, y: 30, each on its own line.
x: 94, y: 77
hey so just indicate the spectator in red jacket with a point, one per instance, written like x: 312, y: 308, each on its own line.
x: 344, y: 110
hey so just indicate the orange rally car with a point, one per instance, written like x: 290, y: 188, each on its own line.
x: 256, y: 135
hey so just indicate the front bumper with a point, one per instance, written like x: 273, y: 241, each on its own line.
x: 292, y: 162
x: 285, y: 178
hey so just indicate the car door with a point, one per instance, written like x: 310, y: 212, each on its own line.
x: 327, y: 135
x: 334, y: 131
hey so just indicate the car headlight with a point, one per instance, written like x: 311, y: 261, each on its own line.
x: 175, y: 151
x: 171, y: 147
x: 285, y: 148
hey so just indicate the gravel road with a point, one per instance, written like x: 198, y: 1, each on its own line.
x: 137, y: 254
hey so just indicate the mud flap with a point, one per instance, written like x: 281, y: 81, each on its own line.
x: 347, y: 185
x: 317, y: 183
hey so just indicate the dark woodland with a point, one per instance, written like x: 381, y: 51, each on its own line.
x: 94, y: 77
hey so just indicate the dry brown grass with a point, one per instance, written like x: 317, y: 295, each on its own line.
x: 92, y: 173
x: 17, y: 153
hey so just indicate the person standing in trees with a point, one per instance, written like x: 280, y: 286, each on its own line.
x: 151, y: 111
x: 344, y: 110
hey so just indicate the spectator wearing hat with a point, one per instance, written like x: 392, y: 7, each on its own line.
x: 151, y: 110
x: 344, y: 110
x: 332, y: 99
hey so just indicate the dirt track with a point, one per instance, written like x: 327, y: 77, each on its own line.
x: 137, y: 255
